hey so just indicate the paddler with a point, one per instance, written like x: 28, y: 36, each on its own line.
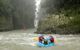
x: 51, y: 38
x: 41, y: 38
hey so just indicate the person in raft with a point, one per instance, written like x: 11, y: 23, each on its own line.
x: 45, y: 41
x: 51, y: 39
x: 41, y: 38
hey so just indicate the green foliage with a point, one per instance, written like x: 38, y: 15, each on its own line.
x: 53, y: 21
x: 66, y: 17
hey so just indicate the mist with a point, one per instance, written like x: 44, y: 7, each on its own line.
x: 17, y: 14
x: 20, y: 14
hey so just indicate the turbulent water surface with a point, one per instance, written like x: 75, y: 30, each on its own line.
x: 21, y: 40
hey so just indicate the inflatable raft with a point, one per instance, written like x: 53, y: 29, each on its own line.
x: 43, y: 45
x: 39, y: 44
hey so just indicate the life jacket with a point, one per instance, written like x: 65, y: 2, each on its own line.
x: 41, y: 38
x: 45, y: 42
x: 52, y: 39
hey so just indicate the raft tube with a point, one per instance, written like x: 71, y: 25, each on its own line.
x: 39, y: 44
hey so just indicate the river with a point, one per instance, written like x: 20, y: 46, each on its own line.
x: 21, y: 40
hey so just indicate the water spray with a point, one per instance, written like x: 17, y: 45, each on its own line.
x: 36, y: 21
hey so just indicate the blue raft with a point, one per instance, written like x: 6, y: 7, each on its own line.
x: 43, y: 45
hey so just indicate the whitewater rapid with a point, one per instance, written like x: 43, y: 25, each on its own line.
x: 25, y: 37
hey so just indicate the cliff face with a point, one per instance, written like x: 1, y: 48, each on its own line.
x: 6, y: 23
x: 65, y: 20
x: 16, y: 14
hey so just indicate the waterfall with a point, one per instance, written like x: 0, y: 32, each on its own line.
x: 36, y: 20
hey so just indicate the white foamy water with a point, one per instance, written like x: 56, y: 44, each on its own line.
x: 36, y: 20
x: 21, y: 40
